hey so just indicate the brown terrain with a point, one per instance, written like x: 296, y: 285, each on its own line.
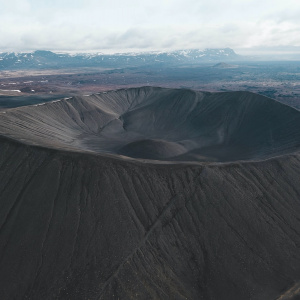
x: 265, y: 80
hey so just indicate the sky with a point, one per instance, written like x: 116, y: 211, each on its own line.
x: 108, y: 26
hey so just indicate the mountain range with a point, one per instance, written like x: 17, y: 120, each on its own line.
x: 46, y: 59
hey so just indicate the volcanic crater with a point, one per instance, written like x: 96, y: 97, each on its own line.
x: 150, y: 193
x: 161, y: 124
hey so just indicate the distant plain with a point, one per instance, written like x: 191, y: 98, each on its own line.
x: 277, y: 80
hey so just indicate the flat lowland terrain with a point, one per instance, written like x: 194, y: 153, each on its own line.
x: 150, y: 193
x: 278, y: 80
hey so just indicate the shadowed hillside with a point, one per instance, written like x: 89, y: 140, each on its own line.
x: 80, y: 221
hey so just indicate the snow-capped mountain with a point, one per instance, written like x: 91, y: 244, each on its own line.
x: 48, y: 59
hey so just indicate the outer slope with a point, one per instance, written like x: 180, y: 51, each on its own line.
x: 78, y: 226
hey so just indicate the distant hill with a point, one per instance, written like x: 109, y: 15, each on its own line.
x: 223, y: 65
x: 46, y: 59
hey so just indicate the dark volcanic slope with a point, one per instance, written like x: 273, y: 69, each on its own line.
x: 80, y: 225
x: 161, y: 124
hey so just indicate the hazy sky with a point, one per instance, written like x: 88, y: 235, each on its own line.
x: 120, y: 25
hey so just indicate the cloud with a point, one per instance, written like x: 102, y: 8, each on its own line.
x: 166, y: 24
